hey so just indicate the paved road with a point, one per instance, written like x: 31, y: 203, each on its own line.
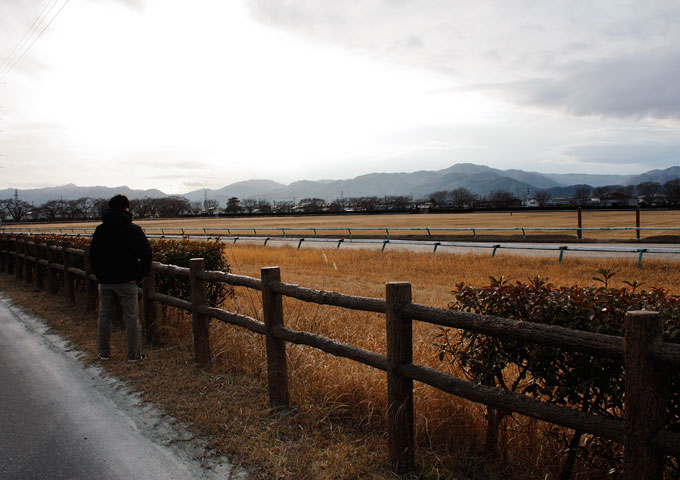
x: 59, y: 420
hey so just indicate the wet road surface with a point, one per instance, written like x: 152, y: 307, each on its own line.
x: 60, y: 420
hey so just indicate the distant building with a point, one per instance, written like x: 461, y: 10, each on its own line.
x: 617, y: 199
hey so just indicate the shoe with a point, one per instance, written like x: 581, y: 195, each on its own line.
x: 103, y: 357
x: 135, y: 360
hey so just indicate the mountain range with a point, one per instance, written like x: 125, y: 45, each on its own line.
x: 479, y: 179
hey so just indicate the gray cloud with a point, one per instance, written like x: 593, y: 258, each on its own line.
x: 642, y: 156
x: 642, y: 85
x: 587, y: 58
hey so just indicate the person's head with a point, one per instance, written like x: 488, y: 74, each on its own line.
x: 119, y: 201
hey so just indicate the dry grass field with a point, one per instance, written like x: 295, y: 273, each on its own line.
x: 326, y: 386
x: 559, y: 219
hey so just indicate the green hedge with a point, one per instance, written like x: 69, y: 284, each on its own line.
x: 581, y: 381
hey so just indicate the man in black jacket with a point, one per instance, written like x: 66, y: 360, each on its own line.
x: 120, y: 255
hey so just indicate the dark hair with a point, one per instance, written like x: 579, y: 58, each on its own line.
x: 119, y: 201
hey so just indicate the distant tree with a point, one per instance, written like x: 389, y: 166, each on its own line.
x: 15, y: 208
x: 462, y: 197
x: 649, y: 190
x: 233, y: 205
x: 398, y: 202
x: 439, y: 198
x: 195, y: 208
x: 311, y: 205
x: 142, y: 207
x: 672, y: 190
x: 264, y: 206
x: 602, y: 191
x: 369, y: 204
x: 172, y: 206
x: 210, y: 205
x: 283, y: 206
x: 100, y: 204
x: 501, y: 199
x: 249, y: 204
x: 542, y: 198
x: 581, y: 193
x: 336, y: 206
x: 53, y: 209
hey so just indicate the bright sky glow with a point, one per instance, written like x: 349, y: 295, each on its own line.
x: 180, y: 95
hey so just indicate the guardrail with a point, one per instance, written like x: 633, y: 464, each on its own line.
x: 215, y: 234
x: 351, y: 232
x: 645, y: 356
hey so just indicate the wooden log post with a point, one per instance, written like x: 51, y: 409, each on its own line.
x: 28, y: 265
x: 277, y: 367
x: 20, y: 252
x: 579, y: 232
x: 399, y: 388
x: 200, y: 322
x: 12, y: 256
x: 51, y: 272
x: 150, y: 310
x: 39, y: 268
x: 69, y: 278
x: 90, y: 285
x: 3, y: 255
x: 645, y: 400
x: 637, y: 222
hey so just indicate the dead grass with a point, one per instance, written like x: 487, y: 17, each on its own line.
x: 337, y: 428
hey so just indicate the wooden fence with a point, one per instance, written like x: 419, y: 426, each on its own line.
x: 647, y: 359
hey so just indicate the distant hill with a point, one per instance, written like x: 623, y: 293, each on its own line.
x: 659, y: 176
x: 38, y: 196
x: 479, y: 179
x: 246, y: 189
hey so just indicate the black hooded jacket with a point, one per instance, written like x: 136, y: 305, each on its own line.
x: 119, y: 250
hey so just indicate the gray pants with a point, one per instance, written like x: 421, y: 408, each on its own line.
x: 129, y: 302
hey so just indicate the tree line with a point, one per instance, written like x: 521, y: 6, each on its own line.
x: 86, y: 208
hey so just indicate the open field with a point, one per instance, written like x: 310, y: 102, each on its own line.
x: 560, y: 219
x: 320, y: 381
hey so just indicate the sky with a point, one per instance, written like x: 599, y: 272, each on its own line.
x: 181, y: 95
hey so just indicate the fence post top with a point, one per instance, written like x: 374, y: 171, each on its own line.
x: 196, y: 263
x: 398, y: 284
x: 269, y: 269
x: 641, y: 313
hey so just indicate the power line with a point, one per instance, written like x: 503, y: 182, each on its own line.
x: 34, y: 26
x: 9, y: 69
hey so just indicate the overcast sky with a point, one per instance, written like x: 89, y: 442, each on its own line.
x: 180, y: 95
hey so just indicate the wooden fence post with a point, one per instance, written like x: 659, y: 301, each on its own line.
x: 39, y: 268
x: 645, y: 399
x: 150, y: 310
x: 28, y: 266
x: 200, y: 321
x: 277, y: 368
x: 20, y: 251
x: 90, y: 285
x: 3, y: 256
x: 69, y: 281
x: 579, y: 232
x: 399, y: 388
x: 11, y: 260
x: 637, y: 222
x: 51, y: 272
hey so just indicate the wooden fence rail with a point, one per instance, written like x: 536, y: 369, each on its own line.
x: 642, y: 351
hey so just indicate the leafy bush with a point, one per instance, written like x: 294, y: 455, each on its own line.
x: 590, y: 384
x: 179, y: 253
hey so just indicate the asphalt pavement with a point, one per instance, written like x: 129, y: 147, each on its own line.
x: 62, y: 420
